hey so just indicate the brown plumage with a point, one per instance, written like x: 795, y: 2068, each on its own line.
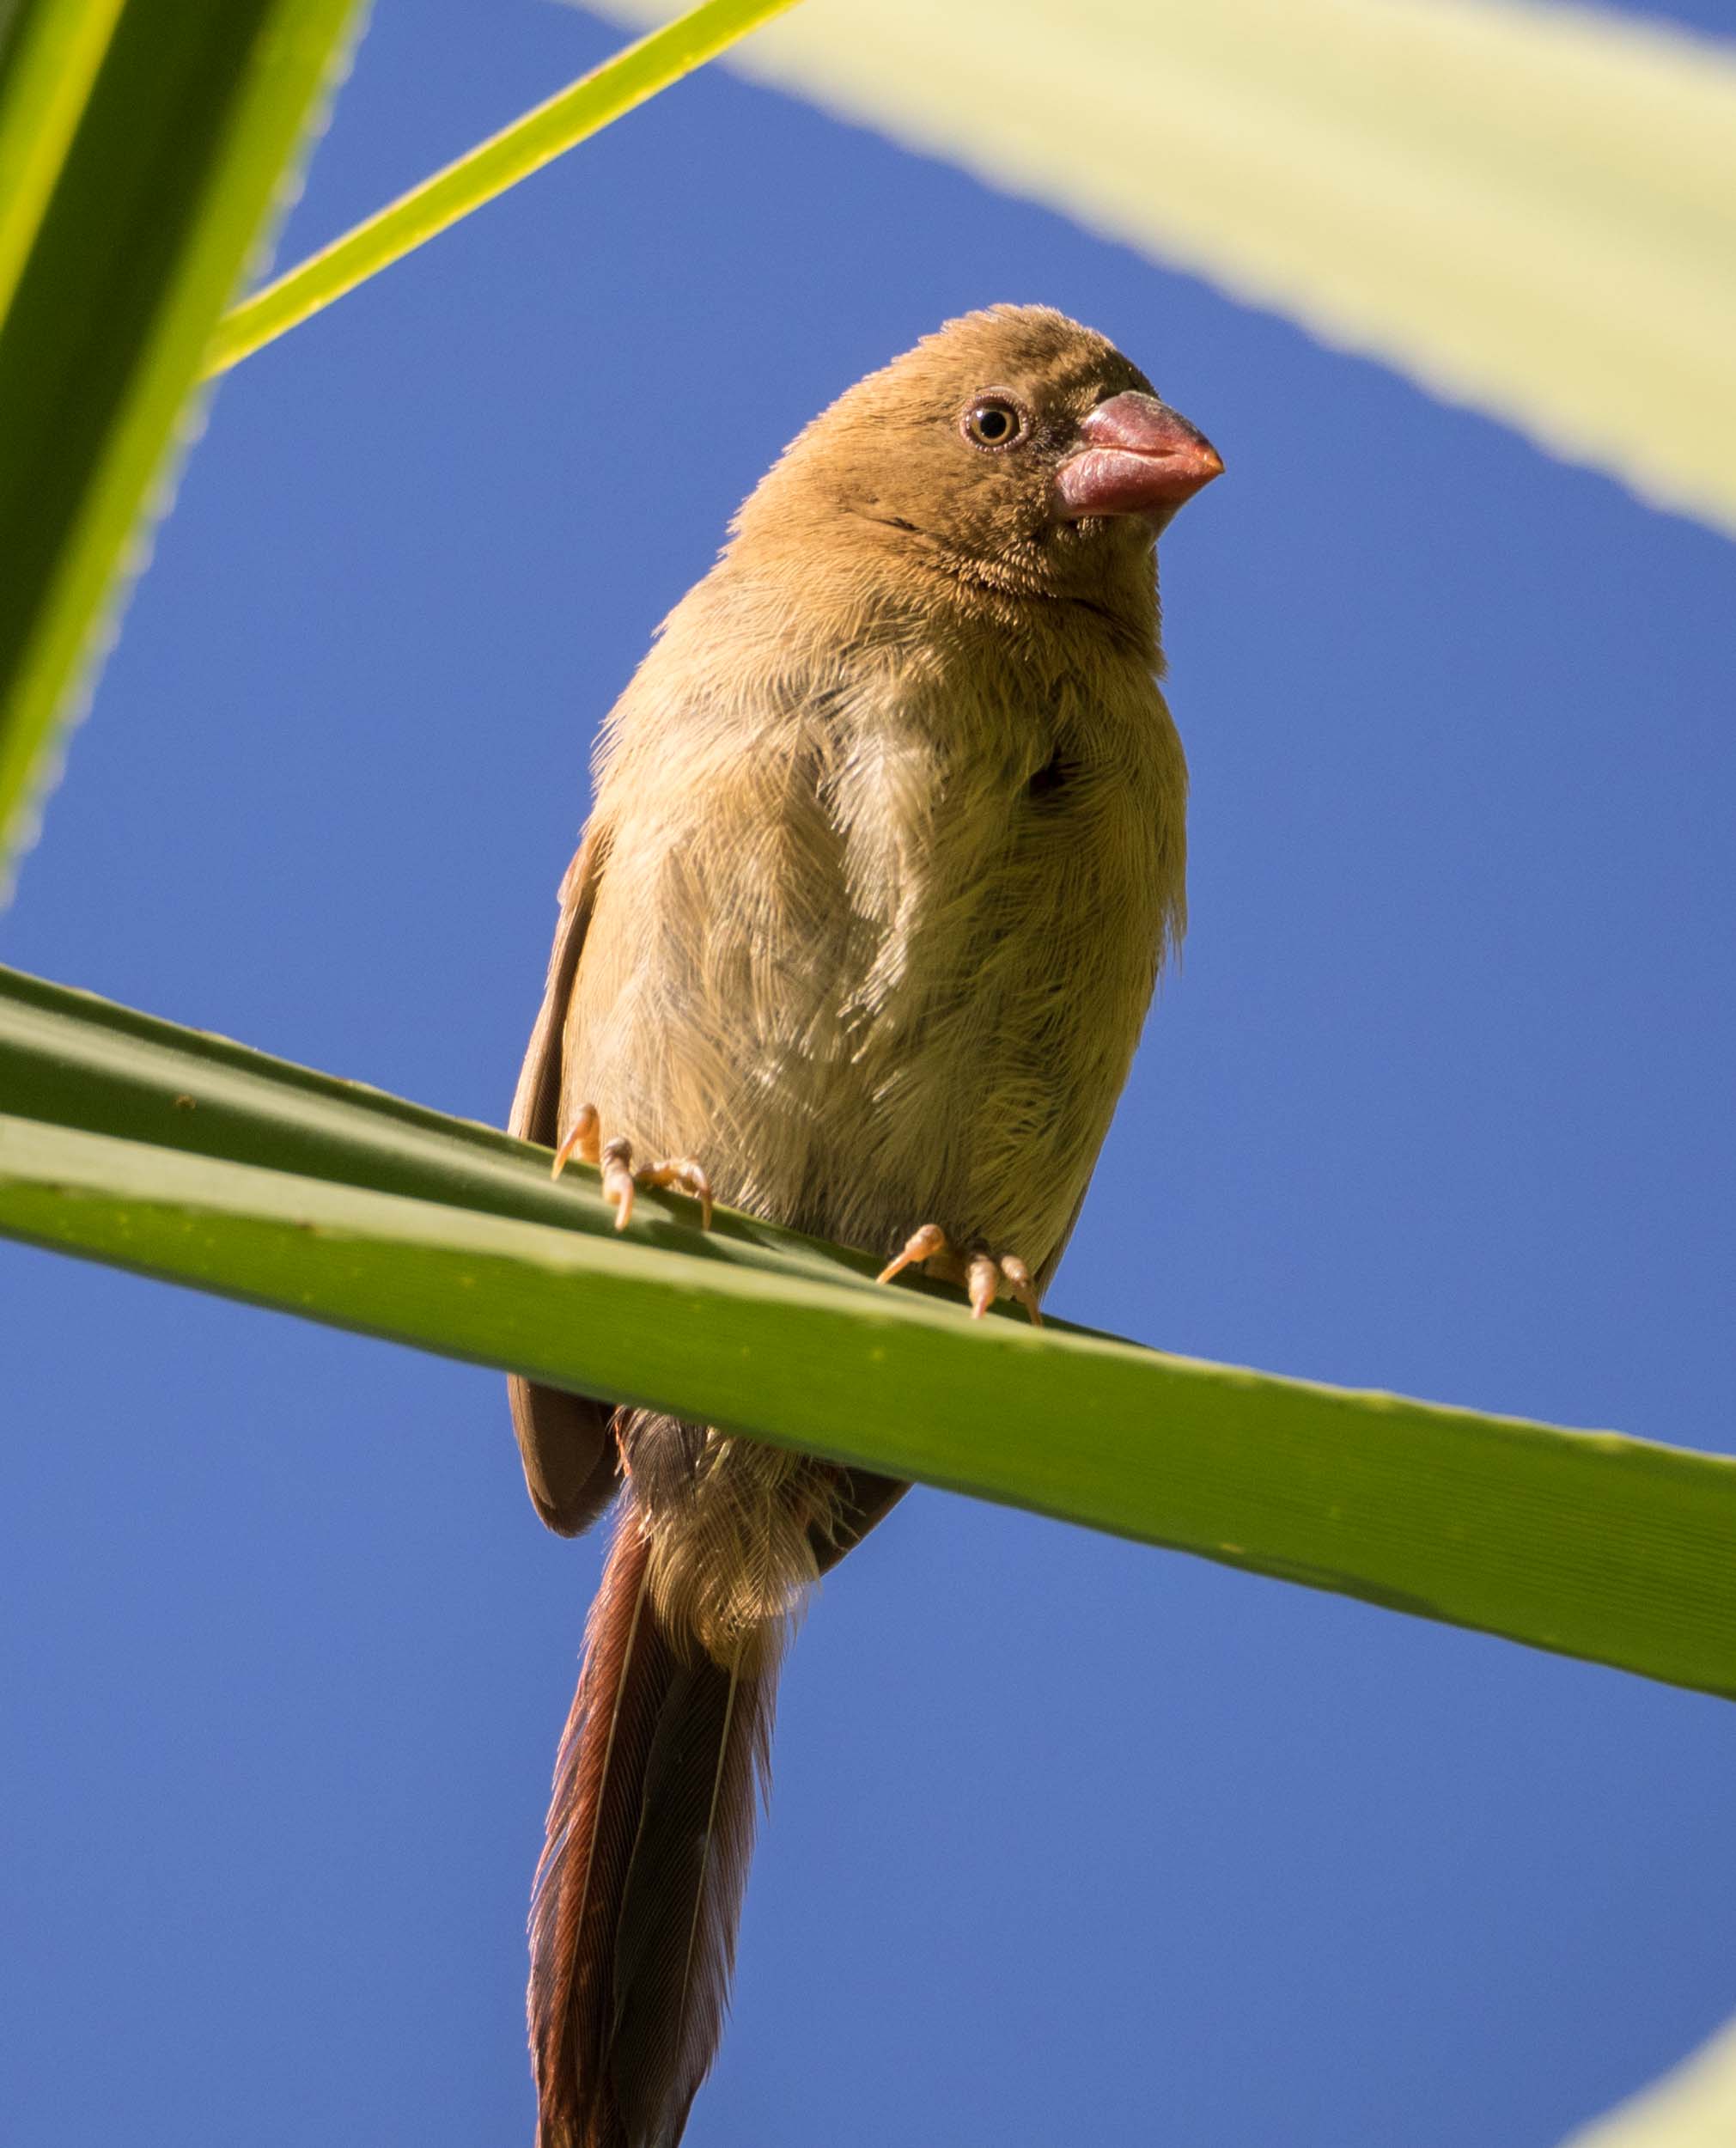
x: 887, y: 853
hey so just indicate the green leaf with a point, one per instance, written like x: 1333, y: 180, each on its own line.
x: 141, y: 149
x: 184, y: 1157
x: 50, y: 52
x: 549, y: 130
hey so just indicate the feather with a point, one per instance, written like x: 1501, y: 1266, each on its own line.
x: 563, y: 1439
x: 675, y: 1945
x: 593, y: 1820
x: 661, y: 1767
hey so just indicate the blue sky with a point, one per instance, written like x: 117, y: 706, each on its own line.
x: 1070, y: 1840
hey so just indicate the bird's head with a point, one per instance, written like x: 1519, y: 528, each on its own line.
x: 1012, y: 447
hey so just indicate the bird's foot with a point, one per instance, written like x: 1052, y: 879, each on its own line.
x: 978, y: 1273
x: 614, y: 1159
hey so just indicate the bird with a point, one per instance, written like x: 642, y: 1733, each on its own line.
x: 887, y: 853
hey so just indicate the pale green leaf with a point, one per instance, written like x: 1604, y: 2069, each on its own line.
x: 1531, y: 210
x: 1693, y: 2105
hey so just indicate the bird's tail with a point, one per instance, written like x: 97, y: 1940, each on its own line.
x: 649, y: 1833
x: 663, y: 1767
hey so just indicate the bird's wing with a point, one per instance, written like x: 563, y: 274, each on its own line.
x: 1045, y: 1273
x: 567, y: 1441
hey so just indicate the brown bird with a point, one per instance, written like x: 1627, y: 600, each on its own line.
x: 887, y: 853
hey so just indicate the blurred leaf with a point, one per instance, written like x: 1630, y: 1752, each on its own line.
x: 183, y: 1156
x: 49, y: 51
x: 141, y: 149
x: 1693, y: 2105
x: 569, y: 117
x: 1529, y: 209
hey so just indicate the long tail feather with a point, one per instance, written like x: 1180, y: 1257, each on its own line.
x: 650, y: 1828
x: 588, y: 1844
x: 675, y: 1943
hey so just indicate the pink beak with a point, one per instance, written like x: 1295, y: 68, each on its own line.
x: 1140, y: 457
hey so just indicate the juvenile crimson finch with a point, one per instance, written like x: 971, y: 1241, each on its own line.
x: 886, y: 854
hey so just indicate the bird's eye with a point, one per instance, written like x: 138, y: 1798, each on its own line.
x: 993, y: 422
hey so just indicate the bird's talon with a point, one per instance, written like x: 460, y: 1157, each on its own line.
x: 921, y: 1245
x: 1020, y: 1287
x: 618, y: 1187
x: 583, y: 1140
x: 620, y: 1181
x: 687, y: 1176
x: 983, y: 1277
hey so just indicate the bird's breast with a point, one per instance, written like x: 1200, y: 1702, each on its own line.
x: 887, y: 966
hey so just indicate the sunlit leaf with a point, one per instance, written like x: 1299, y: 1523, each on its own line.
x: 1531, y: 210
x: 1693, y: 2105
x: 536, y: 138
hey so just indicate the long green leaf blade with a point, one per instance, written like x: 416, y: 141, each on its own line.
x: 243, y: 1176
x: 549, y: 130
x: 72, y: 1059
x: 49, y: 52
x: 149, y: 192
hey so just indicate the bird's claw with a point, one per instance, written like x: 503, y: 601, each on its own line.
x: 982, y: 1276
x: 685, y: 1173
x: 614, y: 1159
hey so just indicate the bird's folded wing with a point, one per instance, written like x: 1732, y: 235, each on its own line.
x: 570, y: 1463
